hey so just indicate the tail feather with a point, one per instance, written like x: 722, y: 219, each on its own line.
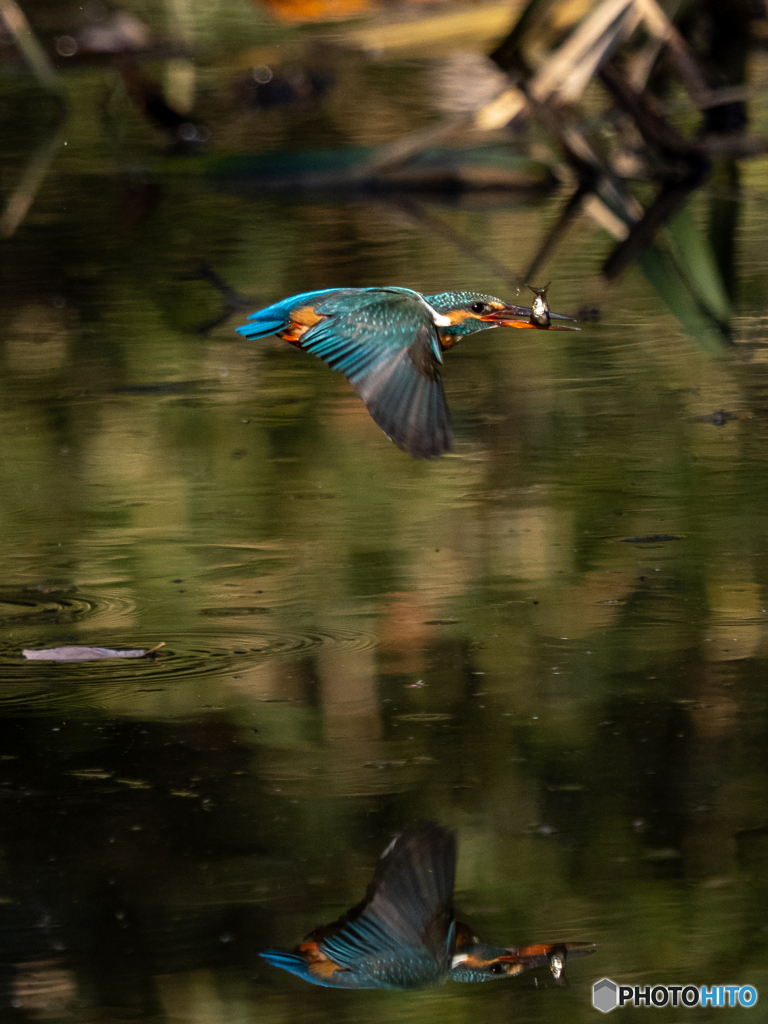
x: 288, y: 961
x: 256, y: 328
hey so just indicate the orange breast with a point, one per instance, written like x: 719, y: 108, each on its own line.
x: 317, y: 961
x: 325, y: 968
x: 301, y: 320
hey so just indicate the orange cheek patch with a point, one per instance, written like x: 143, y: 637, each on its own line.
x: 458, y: 316
x: 474, y: 961
x: 513, y: 970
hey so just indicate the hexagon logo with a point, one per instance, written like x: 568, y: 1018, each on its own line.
x: 604, y: 995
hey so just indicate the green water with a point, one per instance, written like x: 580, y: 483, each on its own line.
x: 499, y: 640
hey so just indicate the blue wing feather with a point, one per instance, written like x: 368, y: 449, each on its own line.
x: 297, y: 965
x: 277, y: 317
x: 402, y: 935
x: 328, y: 301
x: 385, y: 342
x: 408, y: 908
x: 388, y: 349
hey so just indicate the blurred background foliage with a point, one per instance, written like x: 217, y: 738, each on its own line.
x: 552, y: 640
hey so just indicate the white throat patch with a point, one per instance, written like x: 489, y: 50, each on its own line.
x: 438, y: 318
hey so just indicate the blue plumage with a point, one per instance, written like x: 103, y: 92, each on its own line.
x: 291, y: 962
x: 403, y: 934
x: 277, y: 317
x: 388, y: 343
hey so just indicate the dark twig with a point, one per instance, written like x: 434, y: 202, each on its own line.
x: 233, y: 301
x: 440, y: 227
x: 641, y: 235
x: 654, y: 129
x: 558, y: 229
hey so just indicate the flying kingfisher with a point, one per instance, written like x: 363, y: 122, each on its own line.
x: 388, y: 343
x: 403, y: 935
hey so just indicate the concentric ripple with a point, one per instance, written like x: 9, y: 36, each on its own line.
x: 34, y: 606
x: 37, y: 686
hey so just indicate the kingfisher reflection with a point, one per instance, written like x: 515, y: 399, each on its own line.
x: 403, y: 935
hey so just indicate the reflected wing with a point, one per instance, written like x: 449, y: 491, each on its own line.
x: 300, y: 966
x: 386, y: 345
x: 407, y: 909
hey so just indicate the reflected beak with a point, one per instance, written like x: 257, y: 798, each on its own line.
x: 512, y: 965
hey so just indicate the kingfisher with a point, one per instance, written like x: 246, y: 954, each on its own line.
x: 389, y: 344
x: 403, y: 934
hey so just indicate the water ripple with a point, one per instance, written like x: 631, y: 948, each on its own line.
x: 34, y: 606
x: 40, y: 685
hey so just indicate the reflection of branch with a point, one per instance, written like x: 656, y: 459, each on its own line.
x: 558, y: 229
x: 440, y: 227
x: 407, y: 147
x: 733, y: 146
x: 233, y: 301
x: 642, y: 233
x: 24, y: 194
x: 147, y: 95
x: 653, y: 128
x: 26, y: 40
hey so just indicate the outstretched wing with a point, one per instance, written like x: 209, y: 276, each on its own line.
x: 385, y: 343
x: 408, y: 909
x: 297, y: 964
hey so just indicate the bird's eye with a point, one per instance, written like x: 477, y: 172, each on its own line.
x: 496, y: 968
x: 480, y: 307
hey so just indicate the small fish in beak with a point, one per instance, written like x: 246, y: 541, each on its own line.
x: 538, y: 316
x: 540, y: 307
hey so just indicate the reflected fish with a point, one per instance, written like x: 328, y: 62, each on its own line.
x: 388, y: 343
x: 403, y: 935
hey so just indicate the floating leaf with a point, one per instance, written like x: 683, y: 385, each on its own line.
x: 86, y: 653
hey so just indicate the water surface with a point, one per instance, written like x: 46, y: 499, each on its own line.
x: 552, y: 640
